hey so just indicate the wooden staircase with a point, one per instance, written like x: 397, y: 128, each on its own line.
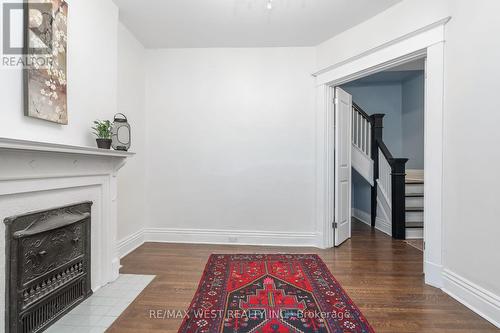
x: 414, y: 204
x: 396, y: 198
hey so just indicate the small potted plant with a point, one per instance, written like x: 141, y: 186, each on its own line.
x: 102, y: 130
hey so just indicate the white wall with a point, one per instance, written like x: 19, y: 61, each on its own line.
x: 471, y: 139
x: 470, y: 195
x: 94, y: 41
x: 231, y: 139
x: 131, y: 102
x: 92, y: 47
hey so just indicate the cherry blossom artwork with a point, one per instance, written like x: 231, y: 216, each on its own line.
x: 45, y: 68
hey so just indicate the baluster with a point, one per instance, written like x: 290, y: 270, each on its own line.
x: 369, y: 141
x: 356, y: 122
x: 364, y: 135
x: 362, y: 145
x: 359, y: 130
x: 354, y: 127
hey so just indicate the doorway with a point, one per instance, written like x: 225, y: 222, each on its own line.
x: 395, y: 96
x: 426, y: 42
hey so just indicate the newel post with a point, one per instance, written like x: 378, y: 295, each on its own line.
x: 377, y: 123
x: 398, y: 175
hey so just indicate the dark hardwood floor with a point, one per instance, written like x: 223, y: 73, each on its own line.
x: 382, y: 276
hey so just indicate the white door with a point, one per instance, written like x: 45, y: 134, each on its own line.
x: 343, y: 127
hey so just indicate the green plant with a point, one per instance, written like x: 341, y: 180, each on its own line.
x: 102, y: 129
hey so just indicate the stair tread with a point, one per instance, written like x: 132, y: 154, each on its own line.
x: 414, y: 181
x: 414, y: 195
x: 414, y: 209
x: 415, y: 224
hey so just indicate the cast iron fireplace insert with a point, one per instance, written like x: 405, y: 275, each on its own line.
x: 47, y: 266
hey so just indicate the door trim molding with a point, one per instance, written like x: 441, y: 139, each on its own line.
x: 385, y: 45
x: 426, y: 42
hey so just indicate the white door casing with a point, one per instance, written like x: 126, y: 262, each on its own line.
x: 425, y: 41
x: 343, y: 128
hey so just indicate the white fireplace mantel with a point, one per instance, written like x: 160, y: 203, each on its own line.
x: 25, y: 145
x: 36, y: 176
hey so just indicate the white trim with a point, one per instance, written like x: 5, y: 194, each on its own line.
x: 385, y: 45
x: 427, y: 41
x: 130, y: 243
x: 381, y: 191
x: 231, y: 237
x: 362, y: 216
x: 382, y: 225
x: 433, y: 272
x: 26, y: 145
x: 363, y: 164
x: 433, y: 159
x: 481, y: 301
x: 392, y: 54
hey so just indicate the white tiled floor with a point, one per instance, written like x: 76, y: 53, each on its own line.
x: 100, y: 310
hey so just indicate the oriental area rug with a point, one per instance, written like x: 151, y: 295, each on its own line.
x: 273, y: 293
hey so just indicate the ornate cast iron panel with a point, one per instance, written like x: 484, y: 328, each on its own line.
x: 47, y: 266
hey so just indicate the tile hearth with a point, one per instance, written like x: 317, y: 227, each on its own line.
x: 99, y: 311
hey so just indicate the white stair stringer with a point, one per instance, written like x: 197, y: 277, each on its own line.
x: 383, y: 221
x: 363, y: 164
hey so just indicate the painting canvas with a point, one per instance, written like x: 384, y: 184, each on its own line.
x: 45, y: 80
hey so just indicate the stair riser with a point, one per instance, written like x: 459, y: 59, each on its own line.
x: 414, y: 216
x: 414, y: 202
x: 413, y: 225
x: 414, y: 188
x: 415, y: 233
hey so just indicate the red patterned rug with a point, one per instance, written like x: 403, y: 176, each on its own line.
x: 275, y: 293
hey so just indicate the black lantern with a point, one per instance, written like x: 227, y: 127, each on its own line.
x: 121, y: 133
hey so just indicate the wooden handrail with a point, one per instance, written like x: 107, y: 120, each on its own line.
x: 385, y: 151
x: 362, y: 112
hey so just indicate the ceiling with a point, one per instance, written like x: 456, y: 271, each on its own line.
x: 389, y: 77
x: 394, y: 75
x: 243, y: 23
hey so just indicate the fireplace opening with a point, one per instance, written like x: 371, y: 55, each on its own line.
x: 47, y: 266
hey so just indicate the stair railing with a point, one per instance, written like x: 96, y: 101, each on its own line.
x: 388, y: 172
x: 361, y: 130
x: 393, y: 184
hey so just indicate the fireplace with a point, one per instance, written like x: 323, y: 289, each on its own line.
x: 47, y: 265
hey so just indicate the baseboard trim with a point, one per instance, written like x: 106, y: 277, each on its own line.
x: 362, y: 216
x: 433, y: 274
x: 130, y: 243
x: 383, y: 226
x: 481, y: 301
x: 231, y: 237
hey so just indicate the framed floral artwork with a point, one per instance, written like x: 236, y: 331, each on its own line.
x: 45, y: 81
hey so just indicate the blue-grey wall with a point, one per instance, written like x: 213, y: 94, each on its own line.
x: 413, y: 99
x: 361, y: 196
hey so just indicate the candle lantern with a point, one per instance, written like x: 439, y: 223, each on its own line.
x: 120, y: 133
